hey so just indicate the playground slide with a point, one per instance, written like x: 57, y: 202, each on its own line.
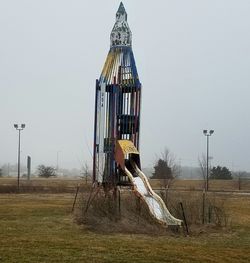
x: 154, y: 202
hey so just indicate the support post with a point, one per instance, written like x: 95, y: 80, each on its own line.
x: 28, y: 167
x: 209, y: 214
x: 18, y: 164
x: 184, y: 218
x: 77, y: 190
x: 203, y: 207
x: 207, y: 161
x: 138, y: 207
x: 119, y: 202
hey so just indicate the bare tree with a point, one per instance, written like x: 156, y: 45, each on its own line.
x: 166, y: 168
x: 240, y: 175
x: 46, y: 171
x: 85, y: 172
x: 172, y: 163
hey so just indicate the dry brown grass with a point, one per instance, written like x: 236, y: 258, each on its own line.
x: 214, y: 185
x: 39, y: 228
x: 238, y: 208
x: 103, y: 213
x: 43, y: 185
x: 200, y: 208
x: 8, y: 185
x: 106, y: 214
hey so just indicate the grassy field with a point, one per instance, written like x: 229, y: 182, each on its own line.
x: 59, y: 185
x: 40, y: 228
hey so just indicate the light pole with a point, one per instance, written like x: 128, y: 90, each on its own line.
x: 19, y: 129
x: 207, y: 134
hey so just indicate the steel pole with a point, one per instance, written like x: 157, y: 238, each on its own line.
x: 18, y: 165
x: 207, y: 159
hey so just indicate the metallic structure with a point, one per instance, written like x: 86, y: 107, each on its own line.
x: 117, y: 103
x: 19, y: 129
x: 207, y: 134
x: 28, y: 167
x: 116, y: 158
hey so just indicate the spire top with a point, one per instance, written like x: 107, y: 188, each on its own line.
x: 121, y: 34
x: 121, y: 9
x: 121, y: 13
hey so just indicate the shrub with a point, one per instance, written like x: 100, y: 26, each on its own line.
x: 46, y: 171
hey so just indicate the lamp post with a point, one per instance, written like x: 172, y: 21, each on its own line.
x: 19, y: 129
x: 207, y: 134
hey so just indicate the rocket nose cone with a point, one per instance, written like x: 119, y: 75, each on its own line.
x: 121, y: 9
x: 121, y: 34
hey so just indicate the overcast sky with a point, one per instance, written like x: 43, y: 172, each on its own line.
x: 193, y: 59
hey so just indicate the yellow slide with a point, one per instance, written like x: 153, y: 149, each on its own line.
x: 126, y: 156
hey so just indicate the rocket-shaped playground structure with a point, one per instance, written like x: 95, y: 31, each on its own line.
x: 116, y: 158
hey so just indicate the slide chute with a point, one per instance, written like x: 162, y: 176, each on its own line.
x: 128, y: 158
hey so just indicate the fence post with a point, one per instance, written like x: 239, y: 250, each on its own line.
x: 203, y: 207
x: 184, y: 218
x: 209, y: 214
x: 119, y: 202
x: 73, y: 207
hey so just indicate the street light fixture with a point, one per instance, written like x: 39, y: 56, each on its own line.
x: 207, y: 134
x: 19, y: 129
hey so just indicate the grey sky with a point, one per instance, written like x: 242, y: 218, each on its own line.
x: 193, y: 59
